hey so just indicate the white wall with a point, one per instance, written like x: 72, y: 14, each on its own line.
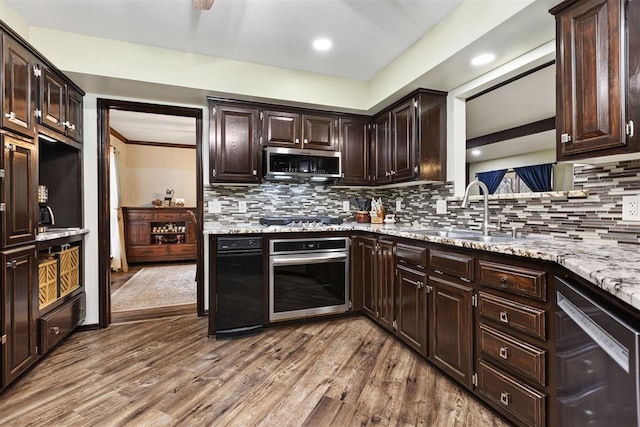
x: 150, y: 170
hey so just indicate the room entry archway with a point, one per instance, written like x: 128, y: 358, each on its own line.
x: 104, y: 270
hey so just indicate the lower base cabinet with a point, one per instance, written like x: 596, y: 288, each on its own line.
x: 20, y: 307
x: 60, y: 323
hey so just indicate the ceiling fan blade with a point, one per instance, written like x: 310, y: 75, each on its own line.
x: 203, y: 4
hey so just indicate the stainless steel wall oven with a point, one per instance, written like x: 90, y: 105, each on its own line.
x: 308, y: 277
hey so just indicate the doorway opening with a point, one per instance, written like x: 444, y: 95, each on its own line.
x: 150, y: 211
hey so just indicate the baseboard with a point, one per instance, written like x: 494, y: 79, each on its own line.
x: 89, y: 327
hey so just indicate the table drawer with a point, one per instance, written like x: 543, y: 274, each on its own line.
x: 519, y: 317
x: 516, y: 355
x: 516, y: 280
x: 58, y: 324
x: 452, y: 263
x: 182, y: 249
x: 148, y: 251
x: 168, y: 216
x: 522, y: 403
x: 137, y: 215
x: 413, y: 256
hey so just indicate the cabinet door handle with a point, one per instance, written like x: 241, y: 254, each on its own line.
x: 11, y: 115
x: 12, y: 264
x: 504, y: 352
x: 565, y: 138
x: 505, y: 398
x: 66, y: 124
x: 297, y: 140
x: 429, y: 289
x: 255, y: 172
x: 387, y: 173
x: 414, y: 282
x: 55, y: 331
x: 72, y: 126
x: 630, y: 129
x: 504, y: 317
x: 393, y: 173
x: 305, y: 141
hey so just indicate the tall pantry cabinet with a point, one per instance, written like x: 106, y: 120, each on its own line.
x: 33, y: 317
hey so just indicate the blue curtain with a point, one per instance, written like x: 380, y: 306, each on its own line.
x: 492, y: 179
x: 537, y: 178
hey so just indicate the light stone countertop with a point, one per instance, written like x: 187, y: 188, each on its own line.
x: 58, y: 233
x: 612, y: 267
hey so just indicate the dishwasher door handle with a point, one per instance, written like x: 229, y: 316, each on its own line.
x: 321, y: 258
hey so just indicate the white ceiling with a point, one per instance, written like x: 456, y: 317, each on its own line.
x: 158, y: 128
x: 367, y: 34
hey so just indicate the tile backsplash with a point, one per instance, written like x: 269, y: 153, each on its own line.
x: 598, y: 215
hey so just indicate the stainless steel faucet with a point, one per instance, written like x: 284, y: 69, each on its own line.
x: 485, y: 192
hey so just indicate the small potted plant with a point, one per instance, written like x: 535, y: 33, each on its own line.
x: 362, y: 205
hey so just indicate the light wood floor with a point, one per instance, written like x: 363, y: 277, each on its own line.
x: 344, y: 372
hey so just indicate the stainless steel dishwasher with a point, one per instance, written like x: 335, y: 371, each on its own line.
x: 598, y: 362
x: 239, y: 286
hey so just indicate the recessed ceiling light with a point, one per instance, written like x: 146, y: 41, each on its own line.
x: 476, y: 152
x: 483, y: 59
x: 322, y: 44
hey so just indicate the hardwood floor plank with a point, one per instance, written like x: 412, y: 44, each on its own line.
x: 342, y: 372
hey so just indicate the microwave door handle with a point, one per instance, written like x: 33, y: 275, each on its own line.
x: 307, y: 259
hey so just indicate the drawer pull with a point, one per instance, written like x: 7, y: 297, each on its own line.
x: 505, y: 397
x: 504, y: 317
x: 504, y: 282
x: 55, y: 331
x: 438, y: 271
x: 504, y: 352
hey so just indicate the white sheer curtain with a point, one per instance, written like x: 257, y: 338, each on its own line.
x: 118, y: 255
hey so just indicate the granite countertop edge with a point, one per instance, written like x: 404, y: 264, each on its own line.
x: 60, y: 233
x: 613, y: 267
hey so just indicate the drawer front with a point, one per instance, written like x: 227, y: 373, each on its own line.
x: 581, y: 368
x: 412, y: 256
x: 452, y: 263
x: 183, y: 249
x: 148, y: 251
x: 58, y: 324
x: 509, y: 352
x: 136, y: 215
x: 516, y: 280
x: 168, y: 216
x: 519, y: 317
x: 520, y: 402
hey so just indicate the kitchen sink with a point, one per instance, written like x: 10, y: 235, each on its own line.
x: 471, y: 235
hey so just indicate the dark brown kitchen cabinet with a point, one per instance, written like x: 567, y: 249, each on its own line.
x: 363, y: 267
x: 403, y: 145
x: 18, y: 87
x: 19, y: 187
x: 597, y: 78
x: 234, y: 149
x: 412, y: 309
x: 452, y: 328
x: 381, y: 143
x: 298, y: 130
x: 409, y: 139
x: 386, y: 284
x: 20, y: 304
x: 60, y: 105
x: 354, y: 146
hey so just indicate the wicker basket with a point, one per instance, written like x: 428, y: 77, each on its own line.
x: 69, y: 270
x: 47, y: 281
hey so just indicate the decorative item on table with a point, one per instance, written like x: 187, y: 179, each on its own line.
x: 363, y: 205
x: 157, y: 203
x: 179, y: 202
x: 377, y: 211
x: 168, y: 197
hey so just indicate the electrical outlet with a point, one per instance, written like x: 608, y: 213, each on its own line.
x: 346, y: 207
x: 441, y: 207
x: 242, y: 206
x: 631, y: 208
x: 398, y: 205
x: 214, y: 207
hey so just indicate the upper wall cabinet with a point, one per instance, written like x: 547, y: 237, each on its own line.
x: 234, y: 148
x: 354, y: 147
x: 296, y: 130
x: 598, y: 77
x: 60, y: 106
x: 409, y: 140
x: 18, y: 90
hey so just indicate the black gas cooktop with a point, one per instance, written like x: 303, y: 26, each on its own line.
x: 299, y: 220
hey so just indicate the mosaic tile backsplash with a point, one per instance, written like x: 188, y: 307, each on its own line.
x: 596, y: 216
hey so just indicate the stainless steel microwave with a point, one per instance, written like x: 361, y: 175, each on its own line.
x: 300, y: 164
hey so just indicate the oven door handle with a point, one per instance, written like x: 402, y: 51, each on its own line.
x: 308, y: 259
